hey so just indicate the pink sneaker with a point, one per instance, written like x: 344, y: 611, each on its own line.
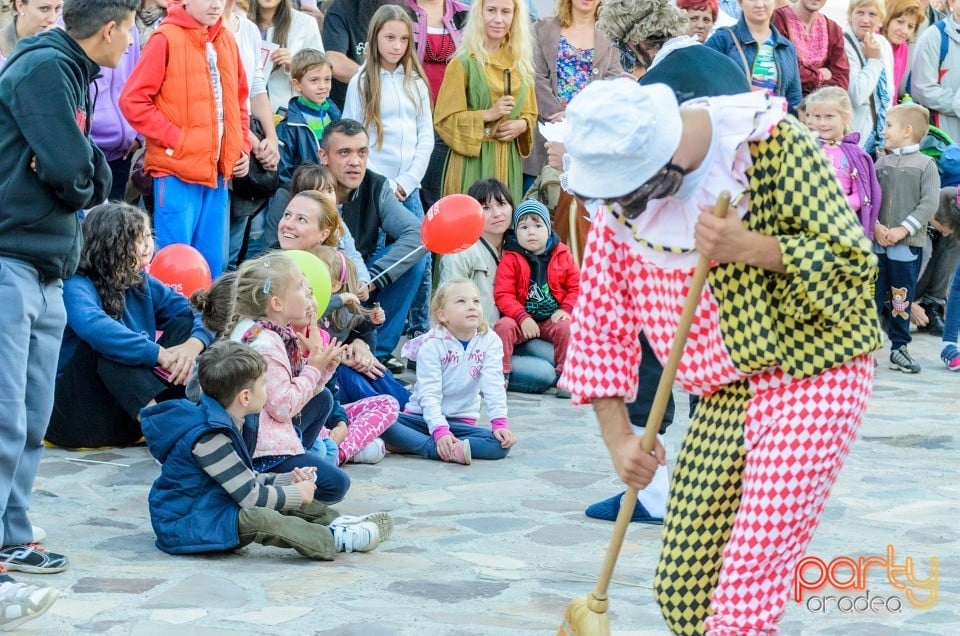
x: 461, y: 452
x: 951, y: 357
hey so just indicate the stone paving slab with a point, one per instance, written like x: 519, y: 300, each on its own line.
x: 496, y: 548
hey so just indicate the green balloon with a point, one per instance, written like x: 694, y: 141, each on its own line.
x: 317, y: 274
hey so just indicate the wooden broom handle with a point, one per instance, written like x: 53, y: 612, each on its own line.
x: 655, y: 418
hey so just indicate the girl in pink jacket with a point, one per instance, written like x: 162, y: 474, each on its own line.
x: 271, y: 295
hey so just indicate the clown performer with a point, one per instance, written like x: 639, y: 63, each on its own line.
x: 779, y: 349
x: 653, y: 32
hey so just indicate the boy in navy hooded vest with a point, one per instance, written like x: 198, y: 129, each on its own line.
x: 208, y: 497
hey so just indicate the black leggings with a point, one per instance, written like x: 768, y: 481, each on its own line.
x: 97, y: 401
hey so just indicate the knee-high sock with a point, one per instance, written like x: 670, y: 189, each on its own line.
x: 654, y: 497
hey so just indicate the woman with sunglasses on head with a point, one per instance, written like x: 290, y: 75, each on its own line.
x: 569, y: 53
x: 765, y: 56
x: 779, y: 349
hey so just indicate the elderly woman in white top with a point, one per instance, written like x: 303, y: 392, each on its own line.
x: 871, y: 86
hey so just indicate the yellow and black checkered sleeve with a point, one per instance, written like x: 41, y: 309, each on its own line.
x: 830, y: 268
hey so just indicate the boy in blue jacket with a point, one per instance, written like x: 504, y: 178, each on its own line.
x: 208, y: 497
x: 308, y: 113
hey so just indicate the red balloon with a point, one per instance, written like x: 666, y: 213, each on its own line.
x: 181, y: 267
x: 452, y: 224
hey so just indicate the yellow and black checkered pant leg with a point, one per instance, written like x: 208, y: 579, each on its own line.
x: 704, y: 496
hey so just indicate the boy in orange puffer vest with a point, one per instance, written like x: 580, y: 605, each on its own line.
x: 188, y: 97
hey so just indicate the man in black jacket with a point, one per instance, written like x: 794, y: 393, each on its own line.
x: 386, y: 233
x: 51, y: 170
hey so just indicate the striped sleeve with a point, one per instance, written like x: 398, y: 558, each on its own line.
x: 214, y: 453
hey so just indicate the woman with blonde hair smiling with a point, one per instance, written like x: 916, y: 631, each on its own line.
x: 486, y: 110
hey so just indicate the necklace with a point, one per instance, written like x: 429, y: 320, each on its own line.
x: 447, y: 49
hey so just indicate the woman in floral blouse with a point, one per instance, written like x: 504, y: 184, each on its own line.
x: 569, y: 53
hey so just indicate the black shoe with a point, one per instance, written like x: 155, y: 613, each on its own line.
x: 393, y: 365
x: 412, y: 365
x: 32, y: 559
x: 934, y: 325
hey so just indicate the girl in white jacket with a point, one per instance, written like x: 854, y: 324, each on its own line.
x: 390, y: 96
x: 457, y: 360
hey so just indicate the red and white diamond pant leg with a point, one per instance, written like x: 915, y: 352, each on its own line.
x: 367, y: 419
x: 747, y: 491
x: 798, y: 433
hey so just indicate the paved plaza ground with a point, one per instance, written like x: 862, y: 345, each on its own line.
x: 498, y: 548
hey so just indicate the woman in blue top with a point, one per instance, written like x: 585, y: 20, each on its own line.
x: 767, y: 57
x: 111, y: 364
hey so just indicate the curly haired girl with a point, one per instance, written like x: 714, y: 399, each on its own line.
x: 111, y: 363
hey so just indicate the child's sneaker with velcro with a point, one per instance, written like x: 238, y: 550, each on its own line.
x: 33, y: 559
x: 356, y: 537
x: 461, y: 452
x: 20, y: 603
x: 901, y: 360
x: 951, y: 357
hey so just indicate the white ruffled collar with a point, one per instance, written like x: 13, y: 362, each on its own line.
x: 671, y: 45
x: 664, y: 231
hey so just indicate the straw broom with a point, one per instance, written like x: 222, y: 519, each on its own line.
x: 588, y: 616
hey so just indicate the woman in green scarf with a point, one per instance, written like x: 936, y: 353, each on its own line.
x: 486, y: 110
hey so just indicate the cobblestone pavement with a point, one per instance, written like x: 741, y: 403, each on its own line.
x: 499, y: 547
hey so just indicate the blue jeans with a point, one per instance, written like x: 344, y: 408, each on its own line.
x: 356, y: 386
x: 238, y: 231
x: 31, y: 326
x: 120, y: 169
x: 418, y: 318
x: 395, y: 299
x: 951, y: 320
x: 195, y: 215
x: 533, y: 368
x: 332, y: 482
x: 411, y: 436
x: 899, y: 275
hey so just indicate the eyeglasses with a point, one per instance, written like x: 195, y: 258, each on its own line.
x: 666, y: 182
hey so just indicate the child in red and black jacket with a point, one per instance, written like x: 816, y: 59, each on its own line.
x: 536, y: 286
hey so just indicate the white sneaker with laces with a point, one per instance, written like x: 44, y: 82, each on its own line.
x: 372, y: 453
x: 383, y: 521
x: 358, y: 537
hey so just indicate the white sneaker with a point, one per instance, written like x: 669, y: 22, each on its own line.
x: 372, y: 453
x: 20, y: 603
x: 358, y: 537
x: 383, y: 521
x: 39, y: 534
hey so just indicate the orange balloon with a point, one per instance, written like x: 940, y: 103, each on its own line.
x: 181, y: 267
x: 452, y: 224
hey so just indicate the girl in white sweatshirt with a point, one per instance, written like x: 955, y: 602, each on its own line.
x: 390, y: 96
x: 457, y: 360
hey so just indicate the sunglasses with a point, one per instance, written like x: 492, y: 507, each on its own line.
x: 666, y: 182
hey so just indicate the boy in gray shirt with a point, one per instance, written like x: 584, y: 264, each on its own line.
x: 911, y: 187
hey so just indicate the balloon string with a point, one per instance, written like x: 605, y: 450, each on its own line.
x: 413, y: 253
